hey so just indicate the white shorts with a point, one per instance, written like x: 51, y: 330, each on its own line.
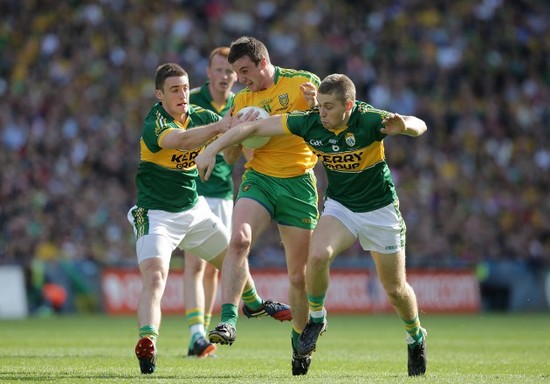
x: 382, y: 230
x: 196, y: 230
x: 223, y: 208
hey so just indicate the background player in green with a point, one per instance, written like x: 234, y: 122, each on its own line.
x: 361, y: 201
x: 278, y: 184
x: 201, y: 278
x: 169, y: 213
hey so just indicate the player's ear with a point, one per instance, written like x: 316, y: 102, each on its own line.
x: 349, y: 105
x: 159, y: 95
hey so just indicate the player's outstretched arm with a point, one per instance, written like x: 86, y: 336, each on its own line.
x: 395, y: 124
x: 206, y: 160
x: 193, y: 138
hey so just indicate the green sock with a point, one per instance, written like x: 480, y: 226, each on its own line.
x: 295, y: 335
x: 413, y: 329
x: 316, y: 308
x: 207, y: 320
x: 252, y: 299
x: 230, y: 313
x: 194, y: 316
x: 195, y: 321
x: 149, y: 331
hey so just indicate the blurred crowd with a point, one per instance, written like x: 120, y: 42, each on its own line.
x: 76, y: 79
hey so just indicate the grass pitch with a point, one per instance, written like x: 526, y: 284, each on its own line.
x: 355, y: 349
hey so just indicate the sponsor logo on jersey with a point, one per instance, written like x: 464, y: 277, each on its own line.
x: 185, y: 159
x: 356, y: 160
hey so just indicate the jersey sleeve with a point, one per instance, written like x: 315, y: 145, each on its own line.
x: 154, y: 129
x: 299, y: 122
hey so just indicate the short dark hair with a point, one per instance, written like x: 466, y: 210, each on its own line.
x: 165, y: 71
x: 247, y: 46
x: 339, y: 84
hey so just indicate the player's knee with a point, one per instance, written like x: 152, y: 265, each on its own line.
x: 210, y: 272
x: 241, y: 242
x: 319, y: 259
x: 395, y: 291
x: 296, y: 280
x: 155, y: 281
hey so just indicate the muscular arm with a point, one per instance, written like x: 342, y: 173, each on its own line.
x: 232, y: 154
x: 193, y: 138
x: 266, y: 127
x: 395, y: 124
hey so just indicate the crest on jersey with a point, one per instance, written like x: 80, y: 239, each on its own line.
x: 283, y: 99
x: 350, y: 139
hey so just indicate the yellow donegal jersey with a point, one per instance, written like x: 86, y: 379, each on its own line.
x: 285, y: 155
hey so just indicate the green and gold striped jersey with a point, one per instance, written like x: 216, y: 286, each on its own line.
x: 220, y: 183
x: 353, y: 157
x: 283, y: 156
x: 166, y: 177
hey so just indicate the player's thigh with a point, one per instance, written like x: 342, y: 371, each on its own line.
x: 296, y: 203
x: 382, y: 230
x: 250, y: 219
x: 157, y: 232
x: 207, y: 236
x: 390, y: 268
x: 330, y: 238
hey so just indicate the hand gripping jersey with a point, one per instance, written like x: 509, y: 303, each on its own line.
x: 220, y: 183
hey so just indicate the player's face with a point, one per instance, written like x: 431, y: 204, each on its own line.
x: 221, y: 75
x: 175, y: 95
x: 333, y: 112
x: 250, y: 74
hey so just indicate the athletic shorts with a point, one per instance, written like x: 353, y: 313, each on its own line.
x: 196, y: 230
x: 382, y: 230
x: 223, y: 208
x: 290, y: 201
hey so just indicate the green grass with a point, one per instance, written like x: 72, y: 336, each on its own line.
x: 355, y: 349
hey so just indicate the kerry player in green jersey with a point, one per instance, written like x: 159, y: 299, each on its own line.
x: 201, y: 278
x: 169, y: 213
x: 361, y: 201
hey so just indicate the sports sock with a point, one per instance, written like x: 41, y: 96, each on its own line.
x: 207, y: 320
x: 295, y: 335
x: 317, y: 311
x: 195, y: 321
x: 252, y: 299
x: 413, y: 330
x: 197, y: 331
x: 230, y: 313
x: 149, y: 331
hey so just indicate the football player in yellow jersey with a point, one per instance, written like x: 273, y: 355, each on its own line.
x: 278, y: 184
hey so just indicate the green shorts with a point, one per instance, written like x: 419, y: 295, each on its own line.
x: 290, y: 201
